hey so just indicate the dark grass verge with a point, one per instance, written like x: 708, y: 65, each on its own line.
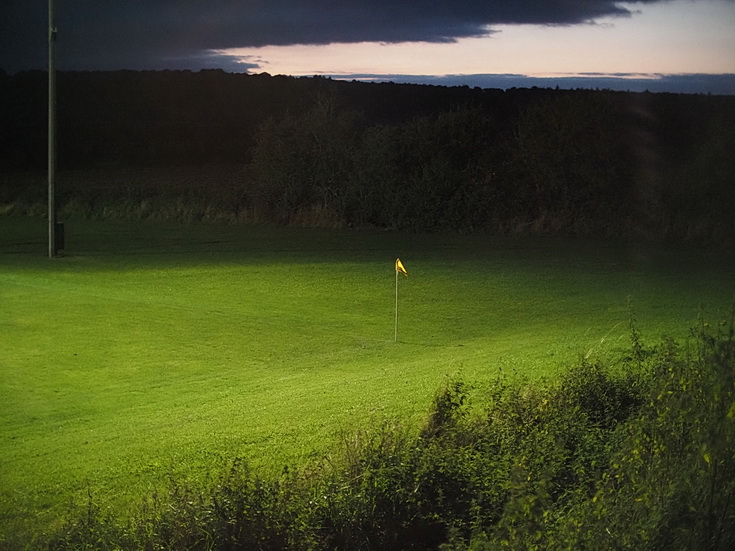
x: 634, y: 456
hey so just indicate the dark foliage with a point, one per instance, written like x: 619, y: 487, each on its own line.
x: 314, y: 151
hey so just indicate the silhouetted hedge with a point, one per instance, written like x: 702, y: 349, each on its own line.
x: 318, y: 152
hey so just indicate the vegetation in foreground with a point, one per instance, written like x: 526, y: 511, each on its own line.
x: 637, y: 455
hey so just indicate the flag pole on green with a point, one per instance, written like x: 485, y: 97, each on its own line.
x: 400, y: 268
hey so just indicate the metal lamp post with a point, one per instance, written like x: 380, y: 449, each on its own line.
x: 52, y: 245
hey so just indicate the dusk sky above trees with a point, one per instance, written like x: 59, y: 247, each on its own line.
x: 678, y: 46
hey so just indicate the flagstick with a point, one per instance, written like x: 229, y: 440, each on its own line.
x: 395, y: 336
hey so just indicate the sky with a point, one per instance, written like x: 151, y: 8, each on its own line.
x: 657, y: 45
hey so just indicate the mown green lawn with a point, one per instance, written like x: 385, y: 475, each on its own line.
x: 150, y: 350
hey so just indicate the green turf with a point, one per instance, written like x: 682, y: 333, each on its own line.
x: 152, y: 349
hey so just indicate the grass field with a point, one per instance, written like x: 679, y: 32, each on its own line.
x: 152, y: 349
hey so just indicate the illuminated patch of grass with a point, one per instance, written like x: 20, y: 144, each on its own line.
x: 155, y: 349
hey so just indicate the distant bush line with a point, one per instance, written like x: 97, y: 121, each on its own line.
x: 317, y: 152
x: 637, y: 455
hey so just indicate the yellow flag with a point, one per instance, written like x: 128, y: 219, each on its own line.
x: 400, y: 267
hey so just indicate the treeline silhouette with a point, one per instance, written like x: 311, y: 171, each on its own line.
x: 317, y: 151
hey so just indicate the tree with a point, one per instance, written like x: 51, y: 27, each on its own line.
x: 429, y: 173
x: 569, y: 158
x: 305, y: 161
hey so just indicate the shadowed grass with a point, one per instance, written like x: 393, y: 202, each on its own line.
x: 156, y: 349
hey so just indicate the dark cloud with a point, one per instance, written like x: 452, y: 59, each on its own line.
x: 137, y: 34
